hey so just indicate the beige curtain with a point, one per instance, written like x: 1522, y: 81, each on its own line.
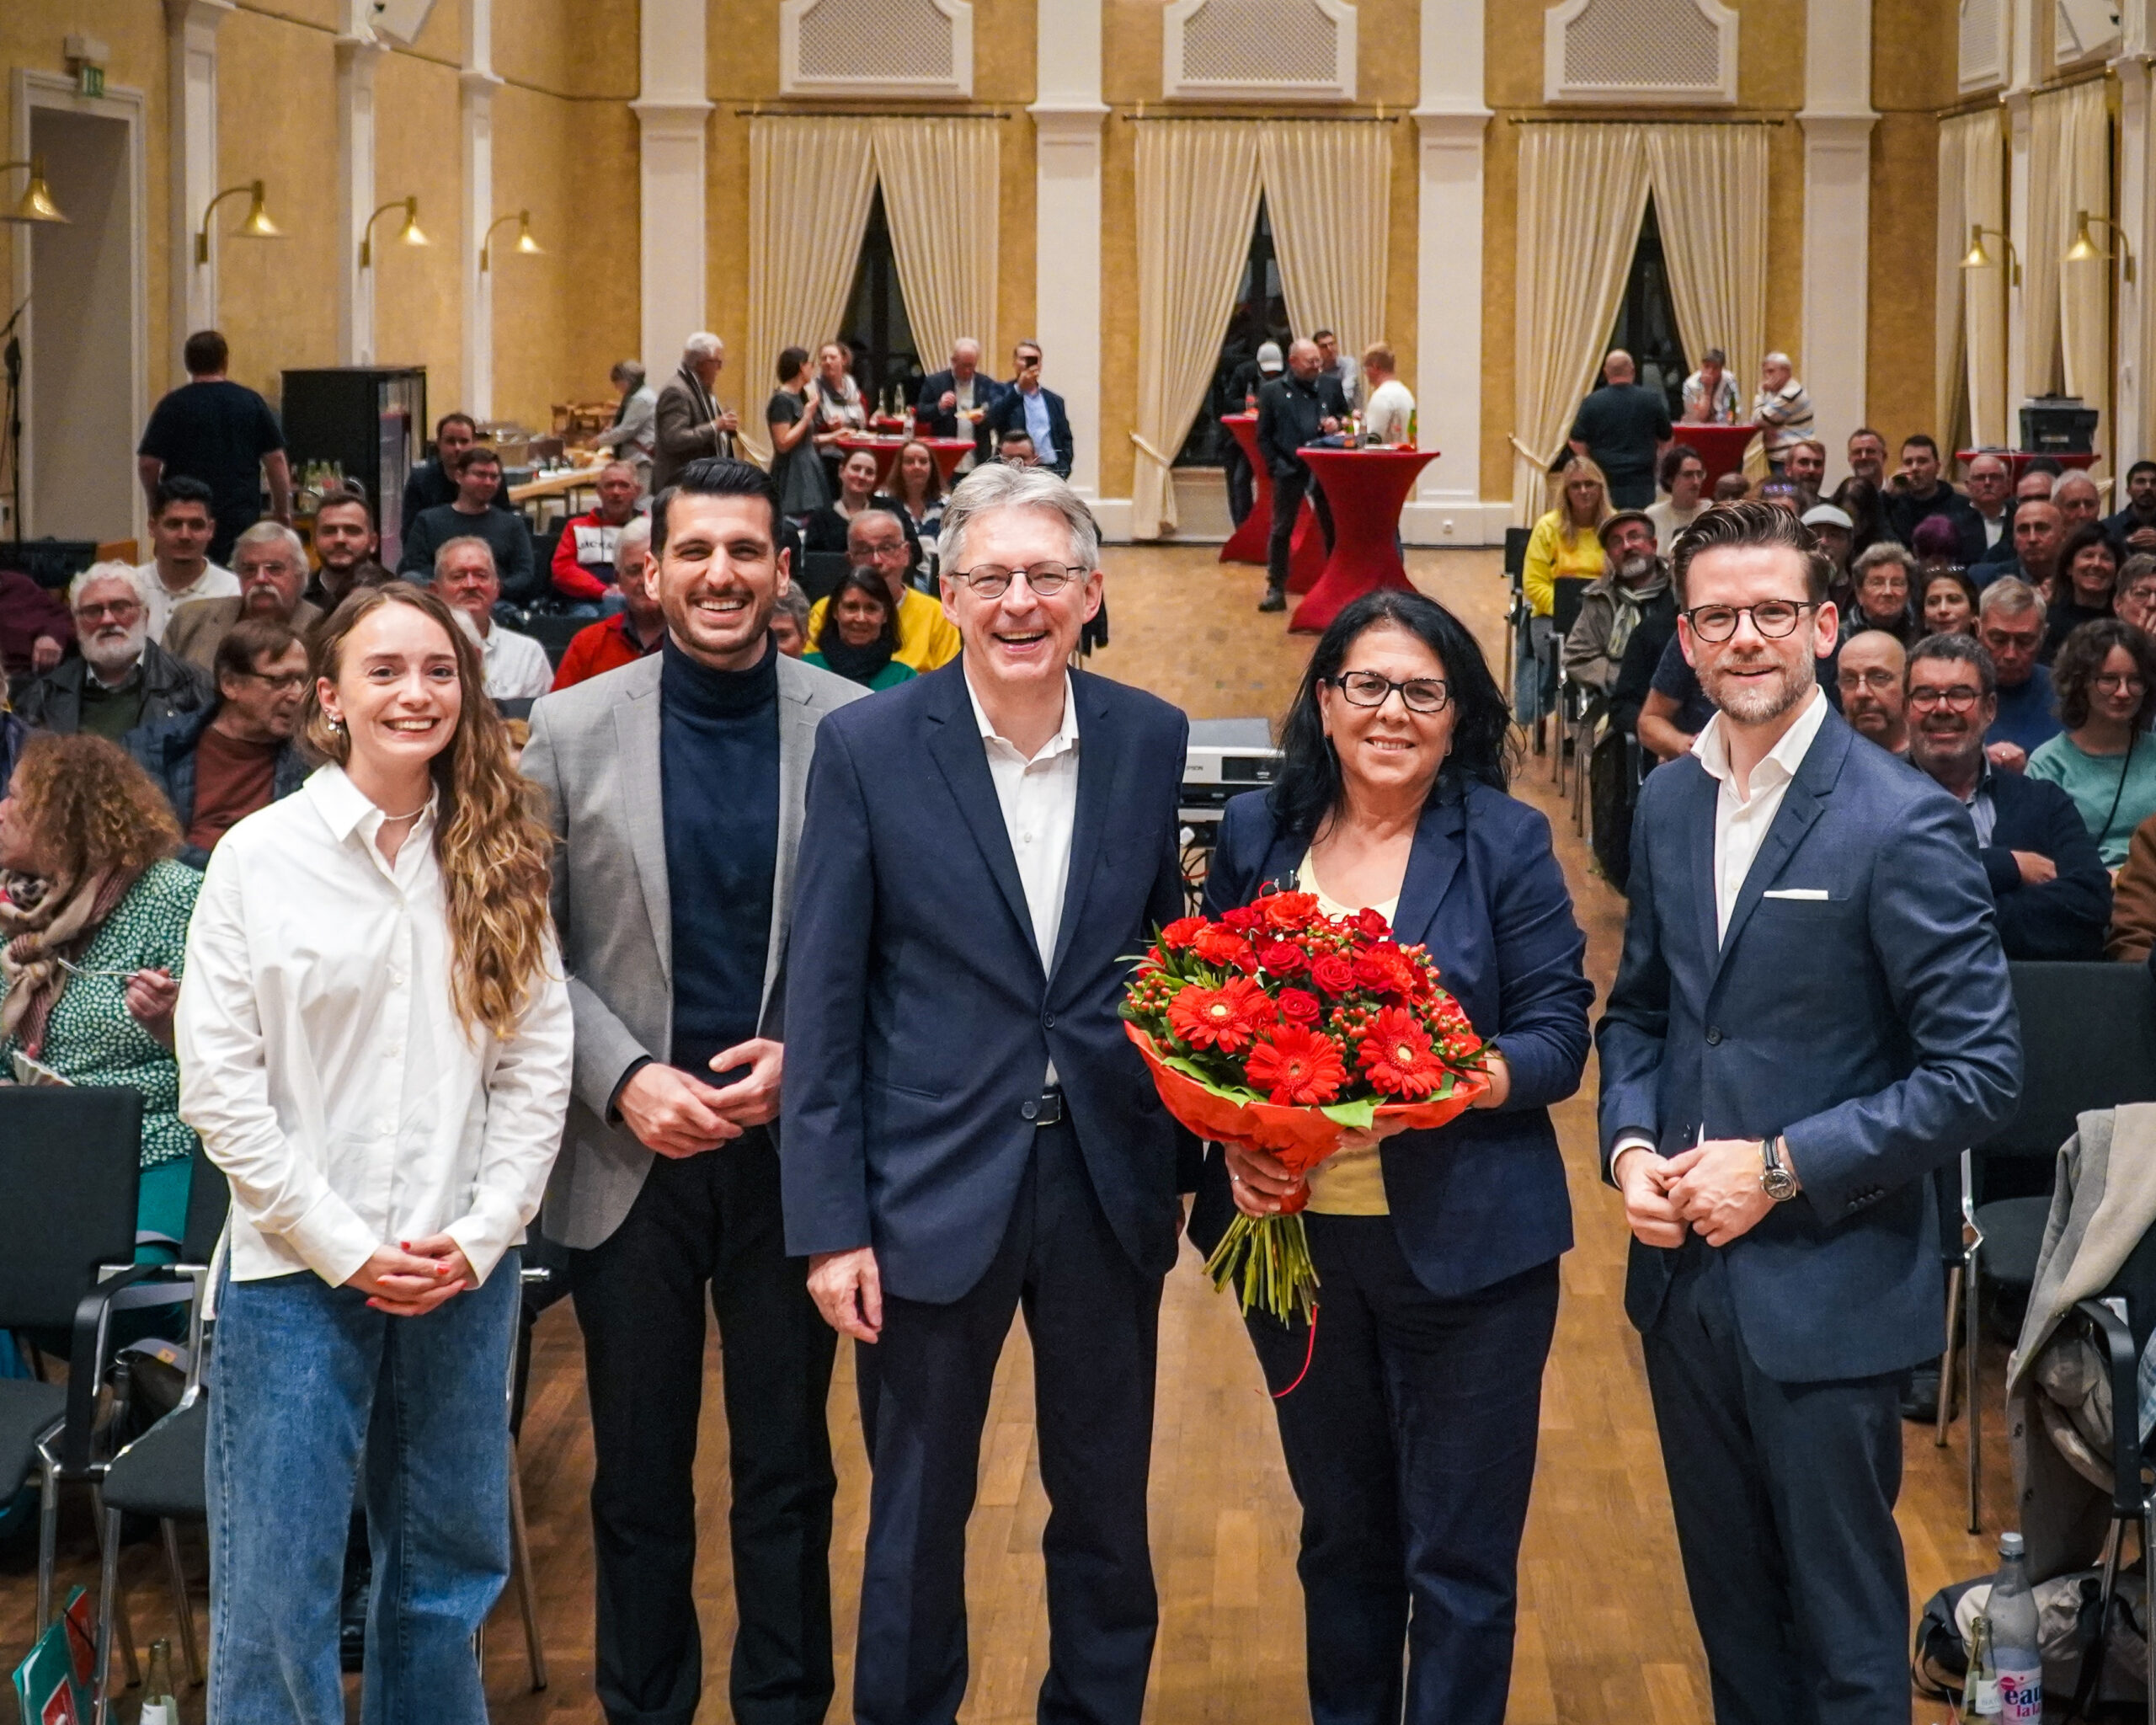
x: 809, y: 184
x: 1583, y: 190
x: 1951, y: 240
x: 1973, y: 194
x: 1196, y: 200
x: 2084, y: 289
x: 1326, y: 190
x: 1711, y: 200
x: 941, y: 195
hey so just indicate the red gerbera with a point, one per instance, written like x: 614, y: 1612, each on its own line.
x: 1397, y: 1056
x: 1334, y: 973
x: 1227, y: 1017
x: 1299, y: 1006
x: 1288, y: 910
x: 1181, y: 933
x: 1282, y: 960
x: 1297, y: 1068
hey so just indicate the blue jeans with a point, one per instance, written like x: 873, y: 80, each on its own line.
x: 311, y: 1394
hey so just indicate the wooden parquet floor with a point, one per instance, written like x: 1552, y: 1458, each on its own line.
x: 1605, y: 1632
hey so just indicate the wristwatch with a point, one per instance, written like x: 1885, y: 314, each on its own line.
x: 1775, y: 1179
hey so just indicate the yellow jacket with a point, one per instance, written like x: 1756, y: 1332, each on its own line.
x: 1547, y: 559
x: 927, y: 640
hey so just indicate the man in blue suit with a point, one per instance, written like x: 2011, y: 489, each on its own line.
x: 1811, y: 1014
x: 1023, y: 404
x: 968, y: 1130
x: 961, y: 388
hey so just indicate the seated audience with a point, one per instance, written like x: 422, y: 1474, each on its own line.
x: 1014, y: 448
x: 638, y: 628
x: 927, y: 637
x: 1023, y: 403
x: 1785, y: 495
x: 515, y: 665
x: 2083, y: 589
x: 1868, y: 671
x: 345, y: 545
x: 2133, y: 899
x: 179, y: 568
x: 94, y: 914
x: 1946, y: 603
x: 1565, y: 542
x: 1989, y: 485
x: 917, y: 495
x: 1710, y: 394
x: 2038, y: 539
x: 1806, y: 468
x: 1683, y: 476
x: 583, y: 556
x: 1937, y: 543
x: 2010, y: 625
x: 1676, y: 709
x: 473, y: 516
x: 859, y: 633
x: 1633, y: 579
x: 219, y: 764
x: 2104, y: 758
x: 1388, y: 408
x: 633, y: 435
x: 1867, y: 458
x: 797, y: 464
x: 1831, y: 526
x: 433, y: 482
x: 2134, y: 528
x: 790, y: 621
x: 1865, y: 506
x: 122, y: 679
x: 2047, y: 882
x: 1782, y: 409
x: 1732, y: 487
x: 1883, y: 576
x: 2080, y: 503
x: 271, y: 564
x: 1918, y: 494
x: 2133, y: 599
x: 34, y: 627
x: 830, y: 528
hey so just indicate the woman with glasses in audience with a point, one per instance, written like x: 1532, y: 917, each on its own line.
x: 2105, y: 678
x: 374, y: 1045
x: 917, y: 494
x: 1882, y: 577
x: 93, y: 913
x: 1947, y: 602
x: 2081, y: 591
x: 860, y: 633
x: 1409, y: 1424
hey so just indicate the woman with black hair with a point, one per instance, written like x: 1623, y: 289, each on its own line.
x: 1409, y: 1426
x: 860, y: 633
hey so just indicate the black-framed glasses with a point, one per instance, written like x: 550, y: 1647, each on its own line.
x: 284, y: 684
x: 1775, y: 619
x: 1366, y: 688
x: 1047, y: 580
x: 1922, y: 698
x: 2121, y: 683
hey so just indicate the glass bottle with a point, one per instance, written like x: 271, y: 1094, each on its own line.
x: 160, y: 1706
x: 1980, y: 1689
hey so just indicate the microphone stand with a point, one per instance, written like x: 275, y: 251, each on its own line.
x: 12, y: 359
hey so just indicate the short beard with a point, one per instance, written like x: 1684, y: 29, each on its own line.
x: 113, y: 662
x: 1757, y: 703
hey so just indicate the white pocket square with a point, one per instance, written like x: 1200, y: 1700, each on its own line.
x: 1810, y: 894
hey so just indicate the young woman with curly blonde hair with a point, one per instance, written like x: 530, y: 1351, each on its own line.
x: 374, y: 1044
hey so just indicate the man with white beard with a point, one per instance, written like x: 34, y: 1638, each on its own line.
x: 123, y: 679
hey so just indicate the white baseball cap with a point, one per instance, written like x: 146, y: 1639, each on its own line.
x: 1825, y: 515
x: 1269, y: 357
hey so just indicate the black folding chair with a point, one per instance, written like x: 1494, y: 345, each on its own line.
x: 2087, y: 1041
x: 1563, y: 697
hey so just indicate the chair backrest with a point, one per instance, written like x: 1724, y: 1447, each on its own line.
x: 209, y: 1196
x: 821, y: 572
x: 70, y: 1166
x: 1516, y: 540
x: 2087, y: 1041
x: 554, y: 632
x: 1565, y: 596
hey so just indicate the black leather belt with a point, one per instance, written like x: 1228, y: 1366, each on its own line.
x: 1046, y: 1109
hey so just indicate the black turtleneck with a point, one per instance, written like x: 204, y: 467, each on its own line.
x: 719, y: 791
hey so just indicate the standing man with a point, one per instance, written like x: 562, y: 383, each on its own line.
x: 473, y: 516
x: 1389, y: 407
x: 515, y: 664
x: 1623, y: 428
x: 2038, y: 539
x: 271, y: 564
x: 1988, y: 482
x: 1811, y: 1013
x: 1336, y: 365
x: 1025, y: 406
x: 1805, y: 467
x: 946, y: 1167
x: 223, y: 433
x: 675, y: 792
x: 1710, y: 392
x: 2078, y: 501
x: 1293, y: 411
x: 633, y: 435
x: 689, y: 424
x: 954, y: 402
x: 433, y: 482
x: 344, y: 543
x: 636, y: 630
x: 179, y: 570
x: 583, y: 556
x: 1782, y: 409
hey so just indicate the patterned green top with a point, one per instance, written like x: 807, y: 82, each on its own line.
x: 91, y: 1037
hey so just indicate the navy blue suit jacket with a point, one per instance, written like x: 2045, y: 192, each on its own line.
x: 1484, y: 1198
x: 1873, y: 1029
x: 943, y: 422
x: 2064, y: 918
x: 1008, y: 410
x: 919, y: 1020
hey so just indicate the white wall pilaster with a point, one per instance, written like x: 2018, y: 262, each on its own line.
x: 191, y: 43
x: 1067, y: 147
x: 2133, y: 425
x: 1838, y: 120
x: 358, y: 51
x: 476, y: 84
x: 672, y: 109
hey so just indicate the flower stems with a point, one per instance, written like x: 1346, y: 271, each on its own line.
x: 1269, y: 1257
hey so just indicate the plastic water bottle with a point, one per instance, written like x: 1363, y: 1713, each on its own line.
x: 2013, y: 1613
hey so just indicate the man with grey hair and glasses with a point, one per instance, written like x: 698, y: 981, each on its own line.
x: 2011, y: 624
x: 968, y: 1132
x: 122, y: 678
x: 689, y: 424
x: 271, y: 564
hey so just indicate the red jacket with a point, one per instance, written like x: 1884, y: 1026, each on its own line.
x: 604, y: 646
x: 587, y: 543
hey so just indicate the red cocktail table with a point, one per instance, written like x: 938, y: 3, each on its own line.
x: 1246, y: 544
x: 1722, y: 447
x: 948, y: 452
x: 1367, y: 489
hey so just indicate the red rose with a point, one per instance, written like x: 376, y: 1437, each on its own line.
x: 1370, y: 923
x: 1299, y: 1006
x: 1180, y: 933
x: 1242, y: 917
x: 1288, y: 910
x: 1218, y: 946
x: 1297, y: 1068
x: 1282, y: 960
x: 1334, y: 974
x: 1386, y: 970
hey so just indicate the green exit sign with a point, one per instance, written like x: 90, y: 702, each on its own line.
x: 89, y: 80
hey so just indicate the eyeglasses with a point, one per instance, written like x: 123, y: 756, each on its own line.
x: 1366, y: 688
x: 1047, y: 580
x: 1774, y: 618
x: 120, y: 611
x: 284, y: 685
x: 1963, y: 699
x: 2121, y: 683
x: 1878, y: 680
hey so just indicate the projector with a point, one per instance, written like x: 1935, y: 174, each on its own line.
x: 1225, y: 757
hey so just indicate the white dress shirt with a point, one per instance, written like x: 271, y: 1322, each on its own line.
x: 215, y: 582
x: 324, y: 1065
x: 1039, y: 800
x: 517, y: 667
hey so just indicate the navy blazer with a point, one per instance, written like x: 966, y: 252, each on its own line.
x: 1484, y: 1198
x: 919, y: 1019
x: 2065, y: 918
x: 1873, y: 1028
x: 1008, y: 410
x: 943, y: 422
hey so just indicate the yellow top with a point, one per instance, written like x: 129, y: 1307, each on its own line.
x: 927, y: 638
x: 1547, y: 559
x: 1351, y: 1182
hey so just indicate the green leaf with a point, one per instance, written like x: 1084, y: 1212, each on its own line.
x: 1355, y: 1116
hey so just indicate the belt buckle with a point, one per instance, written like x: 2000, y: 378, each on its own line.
x: 1045, y: 1110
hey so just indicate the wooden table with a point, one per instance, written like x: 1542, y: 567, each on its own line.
x: 1367, y: 489
x: 948, y: 452
x: 562, y: 484
x: 1248, y: 543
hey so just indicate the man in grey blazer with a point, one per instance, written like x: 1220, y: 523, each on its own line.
x: 675, y: 789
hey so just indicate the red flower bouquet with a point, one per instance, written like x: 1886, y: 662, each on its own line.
x: 1280, y: 1028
